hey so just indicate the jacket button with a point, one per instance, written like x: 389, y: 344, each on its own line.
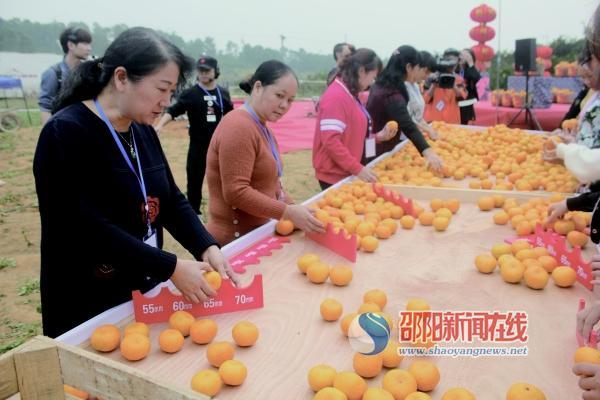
x: 234, y: 208
x: 237, y: 234
x: 235, y: 221
x: 594, y: 230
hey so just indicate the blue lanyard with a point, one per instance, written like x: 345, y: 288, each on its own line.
x: 219, y: 97
x: 369, y: 120
x: 139, y: 176
x: 267, y: 136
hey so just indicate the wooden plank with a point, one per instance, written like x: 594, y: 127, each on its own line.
x: 8, y: 375
x: 108, y: 379
x: 38, y: 370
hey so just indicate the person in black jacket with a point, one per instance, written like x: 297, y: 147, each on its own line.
x: 205, y: 103
x: 467, y: 70
x: 106, y: 191
x: 388, y: 101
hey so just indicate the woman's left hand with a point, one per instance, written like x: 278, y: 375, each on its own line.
x: 215, y: 258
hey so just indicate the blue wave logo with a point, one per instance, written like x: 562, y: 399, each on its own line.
x: 369, y: 333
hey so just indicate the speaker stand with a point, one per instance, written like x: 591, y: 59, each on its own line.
x: 530, y: 119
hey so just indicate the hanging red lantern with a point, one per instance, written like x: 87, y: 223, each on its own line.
x: 482, y: 33
x: 544, y: 52
x: 483, y: 13
x: 483, y: 52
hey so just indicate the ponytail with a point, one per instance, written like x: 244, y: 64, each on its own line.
x: 349, y: 67
x: 86, y: 81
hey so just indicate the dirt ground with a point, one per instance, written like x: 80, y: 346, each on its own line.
x: 20, y: 225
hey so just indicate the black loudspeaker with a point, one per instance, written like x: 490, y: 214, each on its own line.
x: 525, y: 52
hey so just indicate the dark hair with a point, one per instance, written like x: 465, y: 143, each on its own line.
x: 451, y: 52
x: 593, y: 34
x: 349, y: 67
x: 141, y: 51
x: 472, y: 53
x: 338, y: 48
x: 394, y: 73
x: 75, y: 35
x: 267, y: 74
x: 586, y: 54
x: 427, y: 60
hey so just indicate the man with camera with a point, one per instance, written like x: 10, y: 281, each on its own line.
x: 444, y: 89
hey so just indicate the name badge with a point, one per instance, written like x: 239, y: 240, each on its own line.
x: 370, y: 148
x: 211, y: 118
x: 209, y: 98
x: 440, y: 105
x: 150, y: 240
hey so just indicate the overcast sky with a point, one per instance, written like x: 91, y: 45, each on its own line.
x: 316, y: 25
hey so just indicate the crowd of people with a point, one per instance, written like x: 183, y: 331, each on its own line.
x: 106, y: 191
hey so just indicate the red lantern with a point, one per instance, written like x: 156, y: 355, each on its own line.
x: 482, y: 33
x: 544, y: 52
x: 483, y: 52
x: 483, y: 13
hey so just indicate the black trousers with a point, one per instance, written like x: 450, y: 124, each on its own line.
x: 196, y: 168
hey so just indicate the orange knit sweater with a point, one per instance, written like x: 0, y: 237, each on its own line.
x: 242, y: 179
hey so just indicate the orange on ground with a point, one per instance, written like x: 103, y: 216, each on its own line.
x: 368, y: 307
x: 364, y: 229
x: 244, y: 333
x: 135, y: 346
x: 407, y: 222
x: 525, y: 254
x: 458, y: 394
x: 391, y: 356
x: 399, y: 382
x: 436, y: 204
x: 376, y: 296
x: 203, y: 331
x: 548, y: 263
x: 498, y: 200
x: 305, y: 260
x: 397, y: 212
x: 321, y: 376
x: 170, y: 340
x: 426, y: 218
x: 383, y: 232
x: 233, y: 372
x: 536, y: 277
x: 219, y: 352
x: 330, y: 393
x: 564, y: 276
x: 317, y: 272
x: 374, y: 393
x: 367, y: 366
x: 500, y: 249
x: 284, y: 227
x: 524, y: 228
x: 441, y: 223
x: 181, y: 320
x: 390, y: 223
x: 501, y: 218
x: 340, y: 275
x: 351, y: 384
x: 524, y: 391
x: 138, y: 327
x: 331, y: 309
x: 512, y: 271
x: 418, y: 396
x: 345, y: 322
x: 369, y: 244
x: 80, y: 394
x: 577, y: 238
x: 485, y: 203
x: 105, y: 338
x: 587, y: 355
x: 452, y: 205
x: 207, y: 382
x: 417, y: 305
x: 540, y: 251
x: 520, y: 245
x: 426, y: 374
x: 485, y: 263
x: 214, y: 279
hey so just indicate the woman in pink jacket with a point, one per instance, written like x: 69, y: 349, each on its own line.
x: 343, y: 132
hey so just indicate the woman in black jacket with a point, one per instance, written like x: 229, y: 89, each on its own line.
x: 466, y: 69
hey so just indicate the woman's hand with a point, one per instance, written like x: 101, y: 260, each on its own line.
x: 367, y: 175
x: 188, y: 278
x: 586, y: 319
x: 556, y: 210
x: 589, y: 380
x: 217, y: 260
x: 434, y: 161
x: 302, y: 218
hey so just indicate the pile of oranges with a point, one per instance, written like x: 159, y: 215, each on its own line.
x: 496, y: 158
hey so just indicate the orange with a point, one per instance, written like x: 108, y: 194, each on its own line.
x: 330, y: 393
x: 452, y: 205
x: 441, y: 223
x: 485, y: 203
x: 532, y: 262
x: 390, y: 223
x: 525, y: 254
x: 346, y: 321
x: 80, y: 394
x: 587, y: 355
x: 203, y: 331
x: 244, y: 333
x: 284, y: 227
x: 377, y: 394
x: 331, y: 309
x: 436, y: 204
x: 498, y: 200
x: 524, y: 391
x: 351, y: 384
x: 512, y: 271
x: 500, y: 249
x: 321, y: 376
x: 501, y: 218
x: 219, y: 352
x: 383, y: 232
x: 520, y: 245
x: 367, y: 366
x: 485, y: 263
x: 181, y: 320
x: 418, y: 396
x: 364, y: 229
x: 399, y: 382
x: 426, y: 218
x: 540, y: 251
x: 391, y: 125
x: 369, y: 244
x: 458, y: 394
x: 135, y: 346
x: 233, y: 372
x: 207, y: 382
x: 514, y: 211
x: 417, y: 305
x: 305, y: 260
x: 563, y: 227
x: 214, y: 279
x: 397, y: 212
x: 524, y: 228
x: 368, y: 307
x: 170, y: 340
x: 407, y: 222
x: 564, y: 276
x: 340, y: 275
x: 548, y: 263
x: 504, y: 258
x: 426, y: 374
x: 105, y: 338
x: 536, y: 277
x: 391, y: 354
x: 138, y: 327
x: 376, y: 296
x: 577, y: 238
x: 317, y: 272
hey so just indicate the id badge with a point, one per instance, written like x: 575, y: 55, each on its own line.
x: 150, y: 240
x: 440, y: 105
x: 211, y: 118
x: 370, y: 148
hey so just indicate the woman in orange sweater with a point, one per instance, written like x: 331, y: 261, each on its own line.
x: 244, y: 166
